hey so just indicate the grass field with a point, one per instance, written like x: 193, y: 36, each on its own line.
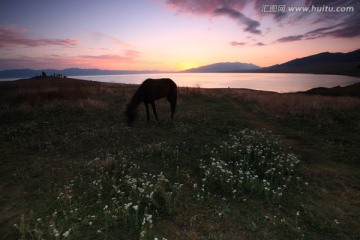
x: 233, y: 164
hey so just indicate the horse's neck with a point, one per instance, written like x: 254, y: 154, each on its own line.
x: 137, y: 99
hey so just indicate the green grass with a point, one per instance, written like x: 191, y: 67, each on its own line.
x: 233, y: 164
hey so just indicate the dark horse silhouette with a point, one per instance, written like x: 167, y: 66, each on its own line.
x: 149, y: 91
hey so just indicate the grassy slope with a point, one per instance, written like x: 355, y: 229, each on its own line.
x: 351, y: 90
x: 52, y: 129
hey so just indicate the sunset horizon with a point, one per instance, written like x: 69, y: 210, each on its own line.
x: 171, y: 35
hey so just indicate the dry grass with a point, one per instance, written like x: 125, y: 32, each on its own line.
x: 50, y: 92
x: 280, y: 106
x: 59, y: 134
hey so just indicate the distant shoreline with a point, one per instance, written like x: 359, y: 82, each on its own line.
x: 348, y: 90
x: 357, y: 75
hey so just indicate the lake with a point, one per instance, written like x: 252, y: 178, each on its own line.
x: 277, y: 82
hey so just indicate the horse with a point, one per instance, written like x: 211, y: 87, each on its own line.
x: 149, y: 91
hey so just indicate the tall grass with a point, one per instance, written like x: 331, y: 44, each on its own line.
x: 114, y: 197
x: 208, y: 174
x: 294, y: 105
x: 50, y: 92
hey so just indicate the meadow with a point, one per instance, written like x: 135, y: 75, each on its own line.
x: 233, y: 164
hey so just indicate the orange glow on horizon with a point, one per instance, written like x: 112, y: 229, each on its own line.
x: 186, y: 65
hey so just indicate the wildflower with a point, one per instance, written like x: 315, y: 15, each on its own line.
x: 99, y: 231
x: 127, y: 205
x: 66, y: 234
x: 90, y: 223
x: 297, y: 213
x: 336, y: 221
x: 135, y: 207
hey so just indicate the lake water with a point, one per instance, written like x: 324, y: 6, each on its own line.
x: 277, y: 82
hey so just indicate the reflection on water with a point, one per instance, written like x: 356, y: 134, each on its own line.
x: 278, y: 82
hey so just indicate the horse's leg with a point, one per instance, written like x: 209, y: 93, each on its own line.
x: 147, y: 111
x: 172, y: 101
x: 154, y: 109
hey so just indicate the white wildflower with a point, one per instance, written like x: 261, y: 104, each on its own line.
x: 66, y: 234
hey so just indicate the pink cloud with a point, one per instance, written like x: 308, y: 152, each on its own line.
x: 237, y: 44
x: 228, y: 8
x: 251, y: 25
x: 129, y: 55
x: 129, y: 59
x: 36, y: 62
x: 234, y: 43
x: 132, y: 53
x: 114, y: 40
x: 10, y: 37
x: 347, y: 23
x: 291, y: 38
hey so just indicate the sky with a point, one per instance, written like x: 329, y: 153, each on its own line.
x: 171, y: 35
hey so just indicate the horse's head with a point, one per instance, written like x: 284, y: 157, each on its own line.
x: 130, y: 114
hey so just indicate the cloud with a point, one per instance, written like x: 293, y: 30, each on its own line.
x: 36, y: 62
x: 10, y: 37
x: 260, y: 44
x: 342, y: 30
x: 251, y: 25
x: 347, y: 29
x: 128, y: 59
x: 132, y: 53
x: 114, y: 40
x: 128, y: 55
x: 237, y: 43
x: 334, y: 24
x: 203, y: 6
x: 228, y: 8
x: 290, y: 38
x: 324, y: 23
x: 107, y: 57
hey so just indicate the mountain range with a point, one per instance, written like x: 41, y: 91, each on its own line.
x: 223, y: 67
x: 322, y: 63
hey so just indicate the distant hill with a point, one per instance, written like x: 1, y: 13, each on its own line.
x: 324, y: 63
x: 223, y: 67
x: 27, y: 73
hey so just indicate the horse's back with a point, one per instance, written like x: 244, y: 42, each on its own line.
x: 154, y: 89
x: 159, y: 82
